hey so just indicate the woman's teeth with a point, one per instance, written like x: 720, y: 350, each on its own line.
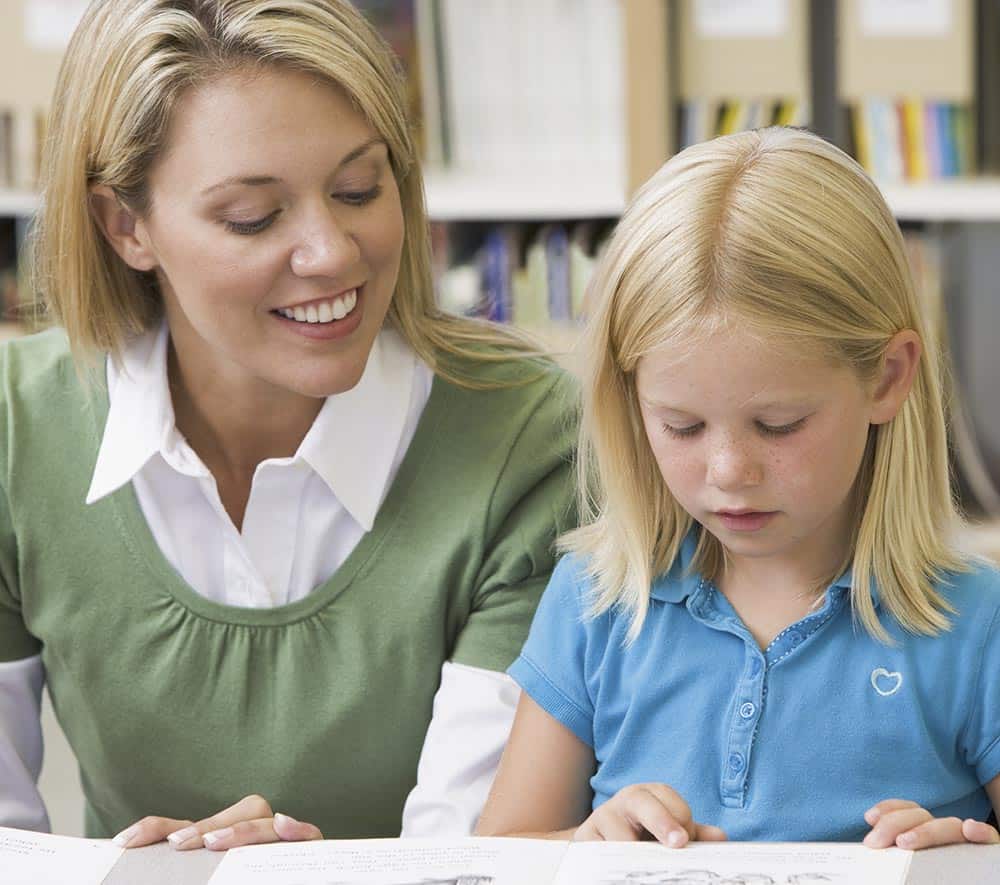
x: 323, y: 311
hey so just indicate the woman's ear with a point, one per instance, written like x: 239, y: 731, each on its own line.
x: 122, y: 229
x: 899, y: 368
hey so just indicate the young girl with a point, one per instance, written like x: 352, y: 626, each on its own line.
x: 761, y: 632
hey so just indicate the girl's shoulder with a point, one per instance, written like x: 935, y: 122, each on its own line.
x: 974, y: 593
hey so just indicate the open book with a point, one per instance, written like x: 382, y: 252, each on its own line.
x: 538, y: 862
x: 28, y: 858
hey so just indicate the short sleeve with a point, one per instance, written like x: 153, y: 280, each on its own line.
x: 532, y: 504
x: 16, y: 642
x: 982, y: 736
x: 552, y: 666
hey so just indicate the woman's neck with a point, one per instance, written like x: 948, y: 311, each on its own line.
x: 234, y: 428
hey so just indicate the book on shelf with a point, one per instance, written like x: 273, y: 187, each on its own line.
x: 532, y: 275
x: 906, y: 87
x: 534, y: 90
x: 912, y: 139
x: 741, y: 66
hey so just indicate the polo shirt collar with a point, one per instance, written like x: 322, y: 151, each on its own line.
x: 679, y: 581
x: 352, y: 445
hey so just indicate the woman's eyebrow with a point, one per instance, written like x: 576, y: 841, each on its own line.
x: 260, y: 180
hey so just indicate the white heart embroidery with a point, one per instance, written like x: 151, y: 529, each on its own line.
x: 886, y: 683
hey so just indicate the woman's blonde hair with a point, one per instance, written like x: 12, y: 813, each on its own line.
x: 127, y: 66
x: 785, y: 234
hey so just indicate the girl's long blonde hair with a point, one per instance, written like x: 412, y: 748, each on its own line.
x: 127, y: 66
x: 784, y: 233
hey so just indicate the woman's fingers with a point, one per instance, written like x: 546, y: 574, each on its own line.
x: 279, y: 828
x: 249, y: 809
x: 291, y: 830
x: 891, y: 824
x: 246, y: 832
x: 148, y: 831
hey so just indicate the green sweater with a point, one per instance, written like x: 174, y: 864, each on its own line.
x: 178, y: 706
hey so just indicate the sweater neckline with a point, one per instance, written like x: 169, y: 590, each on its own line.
x: 140, y: 542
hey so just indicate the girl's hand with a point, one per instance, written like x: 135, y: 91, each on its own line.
x: 907, y: 825
x: 643, y: 811
x: 249, y: 822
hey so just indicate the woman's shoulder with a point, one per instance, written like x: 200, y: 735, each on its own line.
x: 38, y: 363
x: 504, y: 394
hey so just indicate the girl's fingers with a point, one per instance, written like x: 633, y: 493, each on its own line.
x: 937, y: 831
x: 148, y: 831
x: 706, y: 833
x: 655, y: 811
x: 291, y: 830
x: 978, y: 831
x: 873, y: 814
x: 249, y: 808
x: 892, y: 823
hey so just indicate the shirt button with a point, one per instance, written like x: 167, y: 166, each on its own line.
x: 736, y: 763
x: 794, y: 636
x: 747, y: 710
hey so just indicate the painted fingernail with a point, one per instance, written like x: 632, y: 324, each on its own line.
x: 126, y: 836
x: 284, y: 819
x: 675, y: 839
x: 872, y: 815
x: 181, y: 836
x: 217, y: 836
x: 905, y: 839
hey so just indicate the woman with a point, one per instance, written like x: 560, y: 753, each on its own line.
x: 265, y: 507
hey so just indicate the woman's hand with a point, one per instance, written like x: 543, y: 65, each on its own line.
x: 643, y: 811
x: 907, y: 825
x: 249, y: 822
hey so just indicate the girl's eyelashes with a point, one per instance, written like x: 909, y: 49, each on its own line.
x: 682, y: 432
x: 781, y: 429
x: 767, y: 429
x: 349, y: 198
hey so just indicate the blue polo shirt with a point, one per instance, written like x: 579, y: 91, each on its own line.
x: 792, y: 743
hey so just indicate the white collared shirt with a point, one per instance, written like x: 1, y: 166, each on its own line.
x: 304, y: 516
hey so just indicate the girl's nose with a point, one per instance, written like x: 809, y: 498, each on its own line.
x: 732, y: 465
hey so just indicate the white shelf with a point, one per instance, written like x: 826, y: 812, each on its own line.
x: 457, y: 197
x: 17, y: 202
x: 960, y: 199
x: 453, y: 196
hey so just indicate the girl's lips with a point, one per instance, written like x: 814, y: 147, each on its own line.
x: 745, y: 521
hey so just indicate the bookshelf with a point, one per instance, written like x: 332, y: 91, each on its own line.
x: 18, y: 202
x: 643, y: 62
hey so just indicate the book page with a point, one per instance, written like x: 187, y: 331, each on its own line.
x: 28, y: 858
x: 704, y: 863
x: 393, y: 862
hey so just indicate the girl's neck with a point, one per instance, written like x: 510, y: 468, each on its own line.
x: 770, y: 593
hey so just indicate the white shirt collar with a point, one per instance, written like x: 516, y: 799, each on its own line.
x: 353, y: 445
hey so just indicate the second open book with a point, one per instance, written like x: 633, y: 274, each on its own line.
x: 537, y: 862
